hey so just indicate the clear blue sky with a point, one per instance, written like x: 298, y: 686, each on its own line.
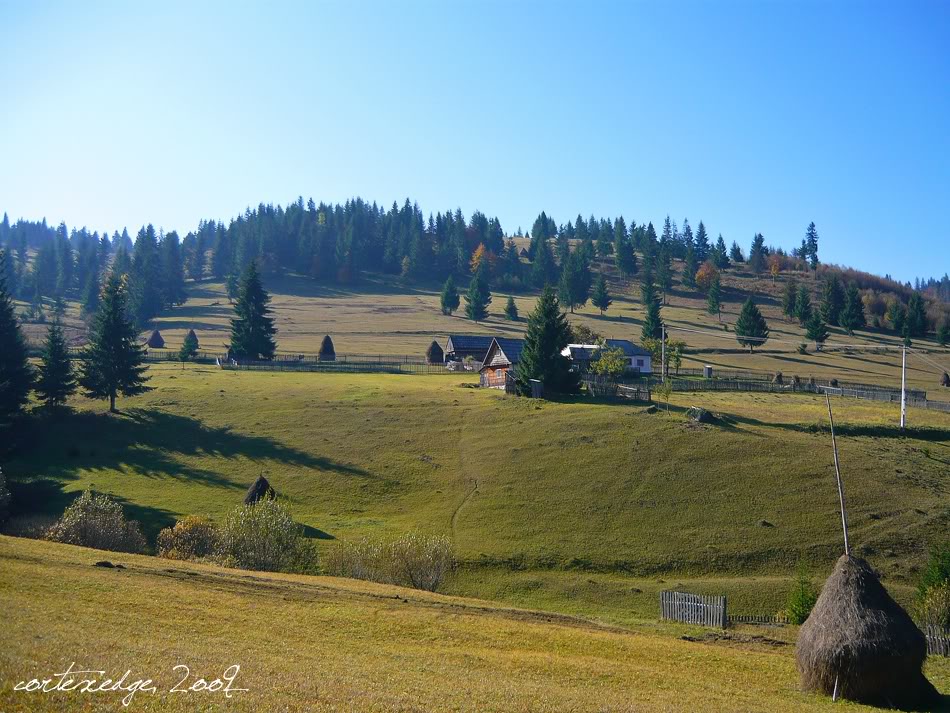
x: 752, y: 116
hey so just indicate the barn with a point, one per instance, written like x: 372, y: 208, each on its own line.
x: 638, y: 358
x: 460, y: 346
x: 502, y: 356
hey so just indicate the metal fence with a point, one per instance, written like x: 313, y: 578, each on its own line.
x: 693, y: 609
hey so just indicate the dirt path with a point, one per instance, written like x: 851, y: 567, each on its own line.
x: 455, y: 515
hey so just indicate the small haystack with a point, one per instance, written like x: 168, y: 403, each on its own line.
x: 259, y: 490
x: 327, y: 352
x: 155, y: 341
x: 434, y: 354
x: 860, y: 637
x: 945, y: 379
x: 191, y: 336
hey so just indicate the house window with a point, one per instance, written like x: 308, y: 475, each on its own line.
x: 639, y: 362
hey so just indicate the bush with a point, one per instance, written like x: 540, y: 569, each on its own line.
x: 802, y: 598
x: 191, y: 538
x: 413, y: 560
x: 937, y: 571
x: 933, y: 608
x: 96, y: 520
x: 264, y: 537
x: 4, y: 498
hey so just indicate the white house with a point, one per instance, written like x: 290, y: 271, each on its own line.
x: 638, y: 358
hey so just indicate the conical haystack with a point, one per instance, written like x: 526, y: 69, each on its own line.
x: 856, y: 634
x: 155, y: 341
x: 259, y: 490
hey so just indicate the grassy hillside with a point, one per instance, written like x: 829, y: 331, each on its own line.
x: 322, y: 644
x: 547, y: 502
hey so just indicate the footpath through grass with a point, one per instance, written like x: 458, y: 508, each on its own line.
x: 323, y: 644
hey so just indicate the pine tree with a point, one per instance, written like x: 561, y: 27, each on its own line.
x: 112, y: 363
x: 90, y: 300
x: 757, y: 254
x: 664, y: 271
x: 943, y: 332
x: 803, y: 307
x: 852, y: 314
x: 714, y: 297
x: 735, y: 253
x: 897, y: 316
x: 601, y: 296
x: 916, y: 320
x: 702, y: 244
x: 543, y: 269
x: 816, y: 330
x: 811, y: 246
x: 547, y: 335
x: 16, y: 375
x: 652, y: 327
x: 722, y: 253
x: 574, y: 286
x: 832, y: 300
x: 478, y: 297
x: 189, y: 347
x: 789, y: 298
x: 511, y: 309
x: 145, y: 294
x: 252, y: 329
x: 625, y: 258
x: 751, y: 328
x: 449, y: 300
x: 56, y: 382
x: 690, y: 265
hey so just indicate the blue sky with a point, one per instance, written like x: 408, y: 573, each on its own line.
x: 750, y: 116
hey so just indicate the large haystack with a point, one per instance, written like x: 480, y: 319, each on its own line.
x: 327, y: 352
x: 259, y: 490
x: 155, y: 340
x: 860, y: 636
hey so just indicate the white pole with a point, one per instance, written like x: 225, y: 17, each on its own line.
x: 663, y: 353
x: 903, y: 387
x: 834, y: 445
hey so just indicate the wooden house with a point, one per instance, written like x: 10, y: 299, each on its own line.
x: 460, y: 346
x: 502, y: 356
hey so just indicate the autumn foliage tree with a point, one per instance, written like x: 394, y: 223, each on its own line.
x: 705, y: 276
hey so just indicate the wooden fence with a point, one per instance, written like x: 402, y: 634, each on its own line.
x: 615, y: 389
x: 766, y: 619
x: 694, y: 609
x: 938, y: 641
x: 338, y: 366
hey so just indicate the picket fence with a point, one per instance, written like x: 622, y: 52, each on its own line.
x: 694, y: 609
x: 938, y: 641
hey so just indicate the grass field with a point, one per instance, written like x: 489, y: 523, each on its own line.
x: 323, y: 644
x: 562, y: 504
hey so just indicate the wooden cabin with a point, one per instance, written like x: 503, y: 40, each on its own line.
x: 502, y: 356
x: 460, y: 346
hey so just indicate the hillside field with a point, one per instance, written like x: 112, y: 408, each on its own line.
x: 324, y: 644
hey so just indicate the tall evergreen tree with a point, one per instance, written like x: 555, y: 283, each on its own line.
x: 90, y: 298
x: 811, y: 246
x: 56, y: 382
x: 832, y: 300
x: 722, y: 253
x: 172, y: 270
x: 189, y: 347
x: 146, y: 278
x: 803, y: 307
x: 574, y: 287
x: 751, y: 328
x: 714, y: 297
x: 757, y: 254
x: 916, y: 320
x: 543, y: 269
x: 601, y: 295
x: 789, y: 298
x: 625, y: 258
x: 690, y: 265
x: 112, y: 363
x: 852, y: 314
x: 511, y: 309
x: 816, y: 330
x: 547, y: 335
x: 735, y: 253
x: 664, y: 271
x: 702, y: 244
x: 652, y: 327
x: 449, y: 300
x: 478, y: 297
x: 943, y: 332
x: 16, y: 374
x: 252, y: 328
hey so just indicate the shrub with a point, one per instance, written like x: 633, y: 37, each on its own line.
x: 4, y: 498
x: 802, y: 598
x: 933, y: 608
x: 413, y: 560
x: 264, y: 537
x: 191, y: 538
x: 96, y: 520
x: 937, y: 571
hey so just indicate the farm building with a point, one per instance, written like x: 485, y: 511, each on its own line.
x: 638, y: 358
x: 502, y: 356
x: 460, y: 346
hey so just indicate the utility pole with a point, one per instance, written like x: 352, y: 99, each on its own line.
x: 663, y: 356
x: 903, y: 387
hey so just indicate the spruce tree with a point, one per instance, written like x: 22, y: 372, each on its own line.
x: 735, y: 253
x: 757, y: 254
x: 751, y: 328
x: 702, y: 244
x: 16, y: 374
x: 56, y: 382
x: 252, y: 329
x: 943, y: 332
x: 626, y: 259
x: 852, y: 314
x: 449, y: 299
x: 916, y: 320
x: 722, y: 253
x: 690, y: 265
x: 543, y: 269
x: 714, y: 297
x: 90, y: 300
x: 816, y: 330
x: 189, y: 347
x: 790, y: 298
x: 897, y: 316
x: 803, y: 307
x: 601, y: 295
x: 511, y: 309
x: 112, y: 363
x: 574, y: 286
x: 832, y: 300
x: 811, y: 246
x: 547, y: 335
x: 478, y: 297
x: 652, y: 324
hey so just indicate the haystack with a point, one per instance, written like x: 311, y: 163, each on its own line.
x: 327, y: 352
x: 155, y: 341
x: 945, y: 379
x: 434, y: 354
x: 259, y: 490
x: 856, y: 634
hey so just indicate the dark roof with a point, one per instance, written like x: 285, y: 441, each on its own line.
x: 585, y: 353
x: 629, y: 348
x: 510, y: 348
x: 468, y: 342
